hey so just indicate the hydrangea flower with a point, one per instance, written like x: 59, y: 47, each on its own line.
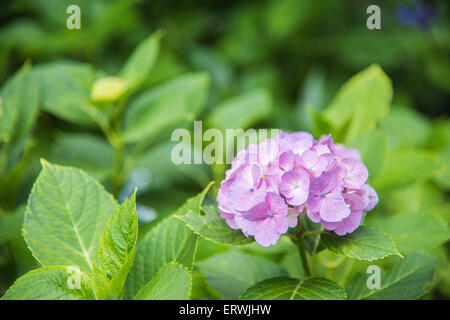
x: 270, y: 184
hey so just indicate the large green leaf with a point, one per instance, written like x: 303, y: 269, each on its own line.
x: 50, y: 283
x: 172, y: 282
x: 138, y: 66
x: 118, y: 245
x: 406, y: 280
x: 170, y: 241
x: 412, y: 232
x: 85, y: 151
x: 360, y: 103
x: 242, y: 111
x: 362, y: 244
x: 66, y: 88
x: 373, y: 148
x: 284, y: 288
x: 65, y: 216
x: 211, y: 226
x: 180, y: 99
x: 232, y: 272
x: 405, y: 167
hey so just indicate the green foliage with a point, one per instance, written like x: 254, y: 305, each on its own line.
x: 111, y: 114
x: 406, y: 280
x: 414, y: 232
x: 172, y: 282
x: 49, y: 283
x: 373, y: 148
x: 138, y: 66
x: 294, y: 289
x: 230, y: 273
x: 360, y: 103
x: 66, y: 88
x: 406, y: 166
x: 242, y: 111
x: 362, y: 244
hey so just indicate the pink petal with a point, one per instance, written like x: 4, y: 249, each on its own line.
x: 333, y: 208
x: 292, y: 217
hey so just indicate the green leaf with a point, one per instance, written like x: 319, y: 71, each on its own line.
x: 19, y: 106
x: 242, y: 111
x: 169, y: 241
x: 373, y: 148
x: 67, y: 90
x: 179, y: 99
x: 412, y: 232
x: 232, y: 272
x: 50, y: 283
x: 212, y: 227
x: 360, y: 103
x: 65, y: 216
x: 362, y: 244
x: 11, y: 224
x: 284, y: 288
x: 118, y: 244
x: 319, y: 124
x: 172, y: 282
x: 406, y: 280
x: 405, y: 128
x: 405, y: 167
x: 165, y: 173
x: 85, y: 151
x: 138, y: 66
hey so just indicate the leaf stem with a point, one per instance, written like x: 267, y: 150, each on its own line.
x: 301, y: 249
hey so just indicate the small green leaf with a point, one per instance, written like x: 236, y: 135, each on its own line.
x: 179, y: 99
x: 242, y: 111
x: 51, y: 283
x: 362, y: 244
x: 284, y: 288
x: 212, y: 227
x: 118, y: 244
x: 172, y: 282
x: 406, y: 280
x: 138, y: 66
x: 360, y: 103
x: 230, y: 273
x: 412, y: 232
x: 65, y: 215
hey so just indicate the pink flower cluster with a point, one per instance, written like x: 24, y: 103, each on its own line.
x: 271, y: 183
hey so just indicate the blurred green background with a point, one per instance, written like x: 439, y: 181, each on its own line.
x: 298, y: 52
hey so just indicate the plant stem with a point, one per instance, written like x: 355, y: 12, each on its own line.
x: 312, y: 232
x: 301, y: 249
